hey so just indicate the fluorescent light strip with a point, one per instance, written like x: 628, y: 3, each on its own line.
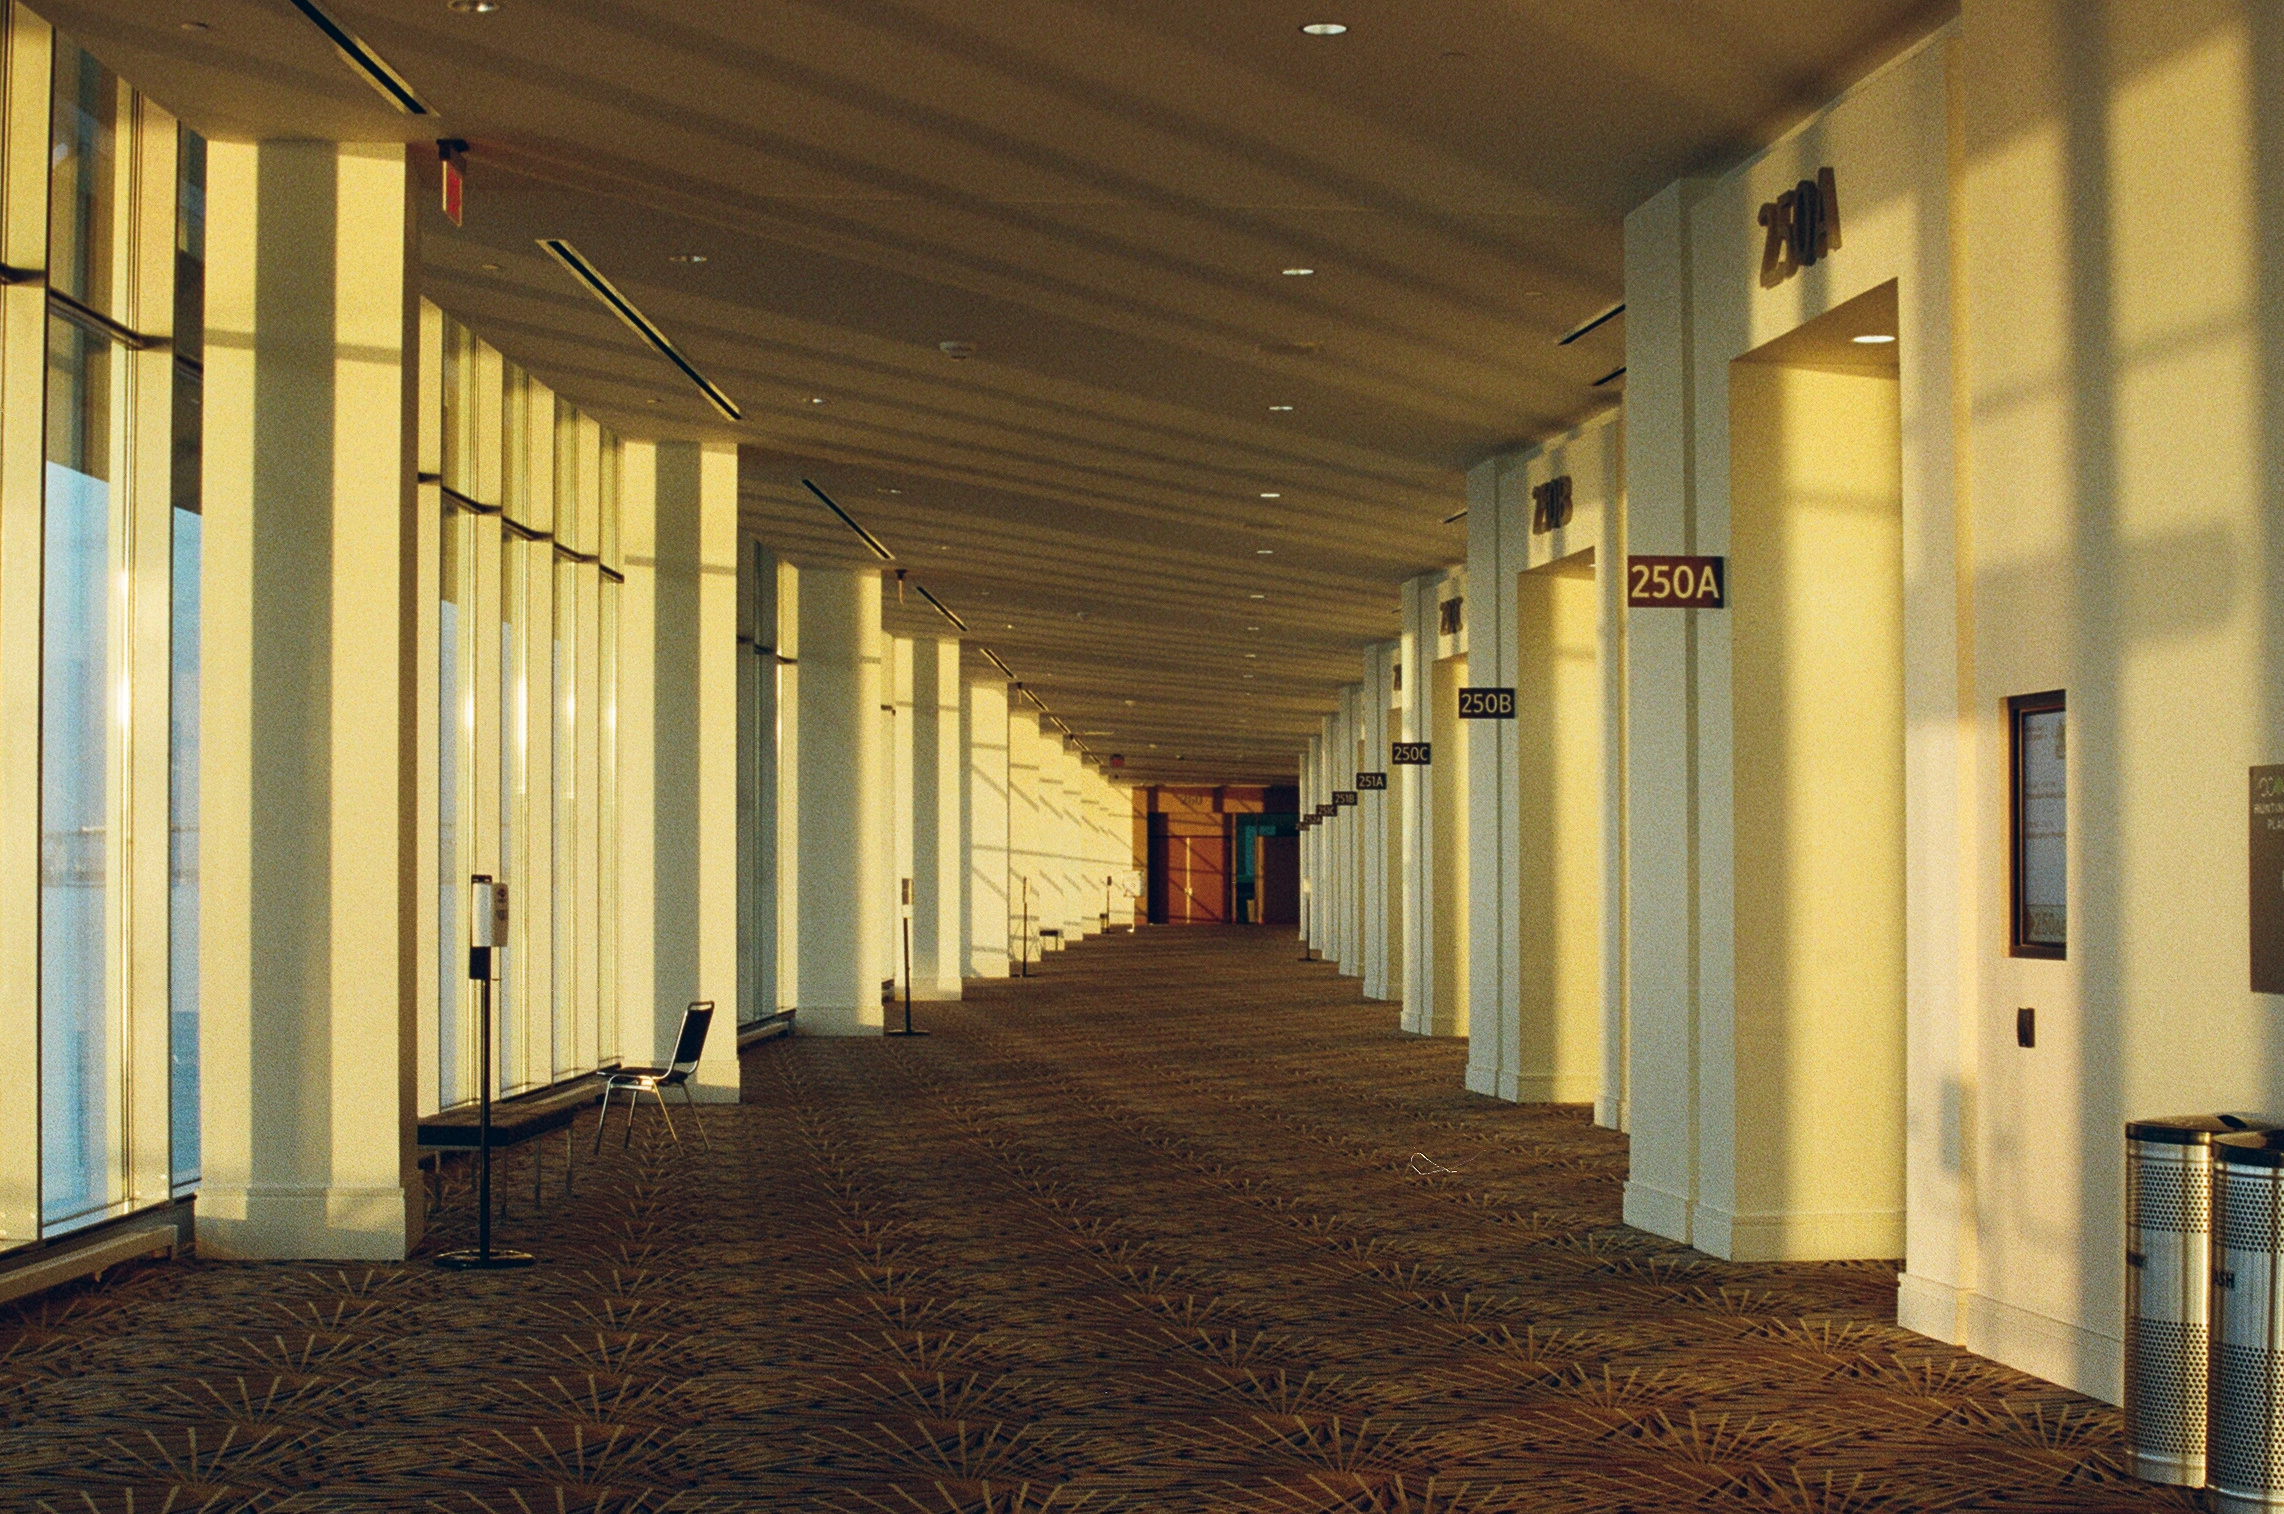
x: 849, y: 521
x: 940, y: 610
x: 602, y: 289
x: 365, y: 61
x: 1611, y: 314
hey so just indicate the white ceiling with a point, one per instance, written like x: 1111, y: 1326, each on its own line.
x: 1101, y: 196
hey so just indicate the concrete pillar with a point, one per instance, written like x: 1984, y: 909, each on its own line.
x: 308, y: 758
x: 1048, y: 880
x: 843, y: 832
x: 983, y: 826
x: 769, y: 599
x: 1024, y: 891
x: 937, y: 861
x: 678, y: 753
x: 900, y: 800
x: 1380, y: 836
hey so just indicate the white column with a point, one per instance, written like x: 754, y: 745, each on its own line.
x: 1025, y: 896
x: 843, y: 830
x: 902, y: 760
x: 1494, y: 991
x: 938, y: 864
x: 308, y: 750
x: 1377, y: 831
x: 983, y: 827
x: 678, y: 753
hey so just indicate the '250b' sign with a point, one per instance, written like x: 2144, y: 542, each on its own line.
x: 1676, y: 583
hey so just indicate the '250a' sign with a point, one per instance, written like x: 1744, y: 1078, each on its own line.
x: 1676, y: 583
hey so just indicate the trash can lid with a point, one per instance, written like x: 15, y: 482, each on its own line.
x: 2194, y: 1129
x: 2254, y: 1148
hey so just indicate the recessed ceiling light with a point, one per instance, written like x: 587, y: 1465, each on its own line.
x: 1272, y: 496
x: 1130, y: 704
x: 1324, y: 28
x: 1264, y: 551
x: 816, y: 399
x: 472, y: 7
x: 956, y: 349
x: 1252, y: 628
x: 193, y: 26
x: 686, y: 257
x: 650, y: 402
x: 1280, y: 407
x: 1251, y: 655
x: 1875, y: 339
x: 1299, y: 273
x: 491, y: 268
x: 1256, y: 596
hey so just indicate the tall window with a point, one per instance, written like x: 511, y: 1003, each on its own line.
x: 2038, y: 730
x: 525, y: 693
x: 117, y: 653
x: 182, y: 767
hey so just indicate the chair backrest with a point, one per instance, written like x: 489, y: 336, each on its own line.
x: 692, y: 1041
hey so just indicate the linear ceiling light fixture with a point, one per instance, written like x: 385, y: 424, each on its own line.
x: 1576, y: 332
x: 602, y: 289
x: 939, y: 604
x: 849, y: 521
x: 365, y: 61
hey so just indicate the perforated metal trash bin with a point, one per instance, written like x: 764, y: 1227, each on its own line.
x: 2244, y: 1460
x: 2169, y: 1263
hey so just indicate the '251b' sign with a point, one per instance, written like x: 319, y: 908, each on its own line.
x: 1677, y: 583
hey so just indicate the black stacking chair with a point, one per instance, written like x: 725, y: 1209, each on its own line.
x: 637, y: 1081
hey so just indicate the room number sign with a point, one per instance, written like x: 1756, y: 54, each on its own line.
x: 1676, y: 583
x: 1486, y: 704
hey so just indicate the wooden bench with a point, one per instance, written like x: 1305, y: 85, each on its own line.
x: 514, y: 1120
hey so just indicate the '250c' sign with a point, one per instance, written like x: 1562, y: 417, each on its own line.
x: 1676, y: 583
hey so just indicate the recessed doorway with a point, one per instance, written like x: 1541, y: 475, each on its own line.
x: 1558, y: 831
x: 1816, y: 626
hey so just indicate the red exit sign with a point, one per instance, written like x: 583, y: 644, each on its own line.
x: 1677, y: 583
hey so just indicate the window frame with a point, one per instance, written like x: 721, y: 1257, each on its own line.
x: 2019, y: 708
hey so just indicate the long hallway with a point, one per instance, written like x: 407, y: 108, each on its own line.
x: 1177, y: 1224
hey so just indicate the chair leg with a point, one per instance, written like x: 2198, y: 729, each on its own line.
x: 668, y: 1118
x: 570, y: 1149
x: 634, y: 1097
x: 605, y: 1118
x: 696, y: 1118
x: 538, y: 1167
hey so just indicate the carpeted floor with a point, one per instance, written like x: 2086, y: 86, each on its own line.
x: 1156, y: 1230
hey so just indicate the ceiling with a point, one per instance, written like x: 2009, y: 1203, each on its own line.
x: 1101, y: 196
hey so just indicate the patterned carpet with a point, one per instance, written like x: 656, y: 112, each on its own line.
x: 1156, y: 1230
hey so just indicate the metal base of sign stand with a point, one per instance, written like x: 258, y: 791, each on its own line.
x: 498, y: 1259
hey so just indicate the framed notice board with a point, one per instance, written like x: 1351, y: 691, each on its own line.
x: 2038, y: 753
x: 2267, y: 896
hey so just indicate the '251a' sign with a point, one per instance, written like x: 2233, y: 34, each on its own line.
x: 1676, y: 583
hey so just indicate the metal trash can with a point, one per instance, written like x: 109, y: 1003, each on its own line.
x: 2245, y: 1443
x: 2169, y: 1262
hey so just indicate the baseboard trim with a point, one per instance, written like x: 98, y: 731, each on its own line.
x: 1931, y: 1307
x: 307, y: 1222
x: 1558, y: 1088
x: 1832, y: 1235
x: 2085, y: 1361
x: 1648, y: 1207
